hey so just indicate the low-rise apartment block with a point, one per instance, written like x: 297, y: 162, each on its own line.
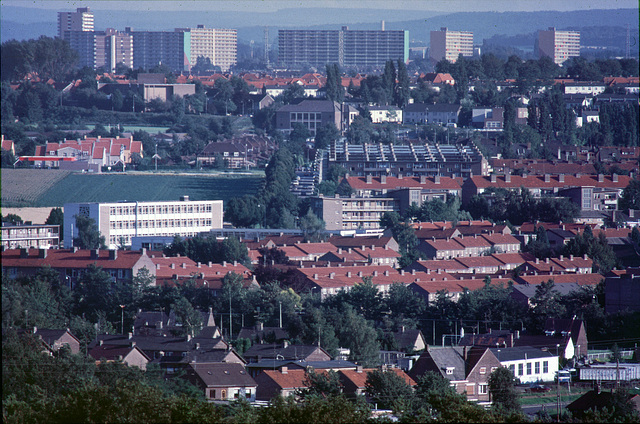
x: 119, y: 222
x: 16, y: 236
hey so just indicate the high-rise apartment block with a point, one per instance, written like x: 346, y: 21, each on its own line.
x: 450, y: 45
x: 218, y: 45
x: 558, y: 45
x: 347, y: 48
x: 98, y: 49
x: 80, y: 20
x: 169, y: 48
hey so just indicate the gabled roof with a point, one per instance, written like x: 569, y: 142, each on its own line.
x: 289, y: 379
x: 289, y: 352
x: 50, y: 336
x: 520, y: 353
x: 358, y: 378
x: 581, y: 279
x: 395, y: 183
x: 66, y: 258
x: 222, y: 374
x: 534, y: 181
x: 114, y: 352
x: 440, y: 359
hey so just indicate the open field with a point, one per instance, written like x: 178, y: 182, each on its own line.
x: 23, y: 187
x: 116, y: 187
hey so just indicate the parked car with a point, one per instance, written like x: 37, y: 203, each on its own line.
x: 539, y: 388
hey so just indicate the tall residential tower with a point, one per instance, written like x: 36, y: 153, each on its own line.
x: 80, y: 20
x: 558, y: 45
x: 449, y: 45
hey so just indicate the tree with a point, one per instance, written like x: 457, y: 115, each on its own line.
x: 403, y: 91
x: 188, y: 317
x: 388, y: 390
x: 89, y: 236
x: 12, y: 218
x: 630, y: 198
x: 503, y: 392
x: 325, y: 135
x: 545, y: 304
x: 311, y: 226
x: 323, y: 384
x: 56, y: 217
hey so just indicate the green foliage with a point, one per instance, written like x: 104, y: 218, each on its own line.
x: 89, y: 236
x: 12, y: 218
x: 597, y: 249
x: 312, y: 227
x: 323, y: 384
x: 503, y: 392
x: 630, y: 198
x: 539, y: 245
x: 209, y: 249
x: 388, y: 390
x: 404, y: 234
x: 545, y: 303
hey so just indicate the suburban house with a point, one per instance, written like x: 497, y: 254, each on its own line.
x: 354, y: 381
x: 597, y: 400
x: 411, y: 340
x: 130, y: 355
x: 54, y: 339
x: 467, y: 368
x: 222, y: 381
x: 380, y: 114
x: 285, y: 351
x: 283, y: 382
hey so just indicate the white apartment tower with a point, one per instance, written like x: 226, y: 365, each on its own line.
x: 80, y: 20
x: 219, y: 45
x: 449, y: 45
x: 119, y: 222
x: 558, y: 45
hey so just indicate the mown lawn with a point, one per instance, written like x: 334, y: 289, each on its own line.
x: 144, y: 187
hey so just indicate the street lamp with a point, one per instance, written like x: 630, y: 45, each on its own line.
x: 122, y: 319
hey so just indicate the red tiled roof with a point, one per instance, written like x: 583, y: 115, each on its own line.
x: 393, y: 183
x: 65, y: 258
x: 581, y: 279
x: 534, y: 181
x: 359, y: 379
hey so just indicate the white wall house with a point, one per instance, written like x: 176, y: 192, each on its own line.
x: 529, y: 364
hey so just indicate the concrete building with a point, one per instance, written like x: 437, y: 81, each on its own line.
x: 558, y: 45
x: 314, y: 114
x: 449, y: 45
x: 123, y: 220
x: 352, y: 213
x: 218, y: 45
x: 529, y: 364
x: 98, y: 49
x: 169, y: 48
x: 80, y: 20
x: 428, y: 160
x: 347, y: 48
x: 15, y: 236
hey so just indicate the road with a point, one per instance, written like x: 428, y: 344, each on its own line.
x: 531, y: 410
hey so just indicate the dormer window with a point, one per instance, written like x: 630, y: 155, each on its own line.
x: 483, y: 370
x: 449, y: 370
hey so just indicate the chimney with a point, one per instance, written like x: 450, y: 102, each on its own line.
x: 614, y: 178
x: 42, y: 253
x: 113, y: 255
x: 493, y: 178
x: 383, y: 179
x: 24, y: 253
x: 437, y: 179
x: 284, y: 370
x: 130, y: 335
x: 465, y: 353
x: 368, y: 179
x: 600, y: 178
x: 561, y: 178
x: 95, y: 253
x: 547, y: 178
x: 507, y: 177
x: 423, y: 179
x: 359, y: 369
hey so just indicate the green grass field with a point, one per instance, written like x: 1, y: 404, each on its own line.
x: 141, y: 187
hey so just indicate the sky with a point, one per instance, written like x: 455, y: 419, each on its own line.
x: 447, y: 6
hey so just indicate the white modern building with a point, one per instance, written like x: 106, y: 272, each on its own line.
x: 529, y: 364
x: 120, y: 222
x: 449, y: 45
x: 218, y: 45
x: 80, y: 20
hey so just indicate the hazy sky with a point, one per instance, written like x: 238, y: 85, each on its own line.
x: 446, y: 6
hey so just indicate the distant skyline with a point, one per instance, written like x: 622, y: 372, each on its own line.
x: 443, y: 6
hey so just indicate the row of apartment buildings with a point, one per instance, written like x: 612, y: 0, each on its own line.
x: 179, y: 50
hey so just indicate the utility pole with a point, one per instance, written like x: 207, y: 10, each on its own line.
x: 280, y: 314
x: 230, y: 323
x: 558, y: 383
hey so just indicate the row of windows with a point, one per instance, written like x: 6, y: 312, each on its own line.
x: 160, y: 223
x: 532, y: 368
x: 160, y: 209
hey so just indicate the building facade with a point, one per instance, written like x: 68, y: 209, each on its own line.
x: 347, y: 48
x: 169, y: 48
x: 218, y: 45
x: 80, y: 20
x: 30, y: 236
x: 449, y: 45
x: 119, y: 222
x: 558, y: 45
x: 352, y: 213
x: 314, y: 114
x: 408, y: 160
x: 104, y: 49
